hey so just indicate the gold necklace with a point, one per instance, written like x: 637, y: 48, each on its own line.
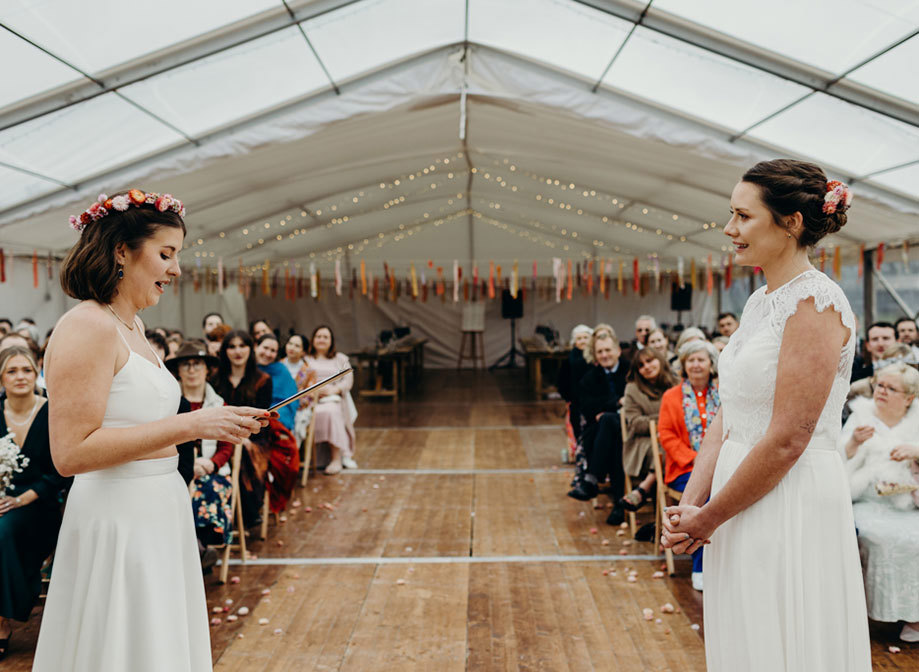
x: 117, y: 317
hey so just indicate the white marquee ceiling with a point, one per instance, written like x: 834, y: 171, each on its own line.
x: 607, y: 128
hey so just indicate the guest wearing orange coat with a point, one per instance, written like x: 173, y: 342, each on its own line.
x: 686, y: 411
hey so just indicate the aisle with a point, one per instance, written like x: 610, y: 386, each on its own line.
x: 454, y: 548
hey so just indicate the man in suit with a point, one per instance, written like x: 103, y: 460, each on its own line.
x: 601, y: 390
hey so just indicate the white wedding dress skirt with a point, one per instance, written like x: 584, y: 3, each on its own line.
x: 783, y: 582
x: 126, y: 588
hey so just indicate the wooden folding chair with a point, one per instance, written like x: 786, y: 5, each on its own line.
x: 628, y: 480
x: 309, y: 455
x: 663, y: 492
x: 236, y: 514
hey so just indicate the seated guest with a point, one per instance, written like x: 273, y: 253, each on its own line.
x: 215, y: 338
x: 880, y: 441
x: 294, y: 351
x: 211, y: 492
x: 240, y: 383
x: 570, y: 373
x: 686, y: 410
x: 334, y: 408
x: 720, y: 342
x: 282, y: 384
x: 727, y: 324
x: 602, y: 387
x: 658, y: 340
x: 210, y: 322
x: 880, y: 336
x: 906, y: 331
x: 6, y: 326
x: 30, y: 513
x: 688, y: 335
x: 648, y: 379
x: 258, y: 328
x: 644, y: 325
x: 158, y: 342
x: 895, y: 354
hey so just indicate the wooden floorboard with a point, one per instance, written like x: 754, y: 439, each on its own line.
x: 455, y: 601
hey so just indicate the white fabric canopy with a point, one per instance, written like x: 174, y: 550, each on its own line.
x: 408, y: 130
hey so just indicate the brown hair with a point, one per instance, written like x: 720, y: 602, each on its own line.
x: 788, y: 186
x: 249, y: 383
x: 312, y: 350
x: 665, y: 378
x: 89, y: 271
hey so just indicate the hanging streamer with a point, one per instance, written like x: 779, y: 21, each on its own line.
x: 414, y: 282
x: 709, y: 276
x: 441, y: 285
x: 559, y: 278
x: 861, y: 260
x: 904, y: 255
x: 363, y: 278
x: 35, y: 269
x: 491, y: 279
x: 692, y: 273
x: 590, y: 278
x: 680, y: 268
x: 728, y: 271
x: 620, y: 285
x: 837, y: 263
x: 514, y: 280
x: 822, y: 257
x: 456, y: 283
x: 265, y: 269
x: 50, y: 266
x: 879, y: 256
x: 314, y: 281
x: 2, y: 266
x: 570, y: 286
x: 636, y: 276
x: 338, y: 277
x: 220, y: 274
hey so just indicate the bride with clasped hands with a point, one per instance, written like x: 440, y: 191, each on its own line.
x: 126, y: 591
x: 783, y: 582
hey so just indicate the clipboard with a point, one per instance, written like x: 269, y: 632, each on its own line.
x: 306, y: 390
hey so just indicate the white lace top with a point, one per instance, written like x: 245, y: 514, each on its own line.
x: 747, y: 366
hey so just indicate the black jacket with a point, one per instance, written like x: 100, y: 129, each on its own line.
x: 595, y: 394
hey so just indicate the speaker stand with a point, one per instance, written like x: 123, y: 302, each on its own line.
x: 509, y: 358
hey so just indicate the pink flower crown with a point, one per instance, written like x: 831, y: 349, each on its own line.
x: 836, y: 193
x: 105, y: 205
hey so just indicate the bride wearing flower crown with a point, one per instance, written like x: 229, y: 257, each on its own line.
x: 126, y: 590
x: 783, y: 583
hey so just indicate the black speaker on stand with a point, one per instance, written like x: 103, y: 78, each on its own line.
x: 680, y: 299
x: 511, y: 309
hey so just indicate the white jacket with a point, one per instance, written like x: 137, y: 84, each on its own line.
x: 871, y: 462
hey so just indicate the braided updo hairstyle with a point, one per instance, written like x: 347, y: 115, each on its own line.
x: 788, y: 186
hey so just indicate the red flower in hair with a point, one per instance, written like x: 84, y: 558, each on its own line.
x: 137, y: 196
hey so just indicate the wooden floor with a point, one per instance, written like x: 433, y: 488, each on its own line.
x: 454, y: 548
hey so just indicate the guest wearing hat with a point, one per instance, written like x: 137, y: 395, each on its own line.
x: 211, y: 490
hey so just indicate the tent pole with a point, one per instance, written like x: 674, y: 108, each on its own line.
x: 868, y: 286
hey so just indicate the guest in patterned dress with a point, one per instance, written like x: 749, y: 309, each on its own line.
x: 211, y: 489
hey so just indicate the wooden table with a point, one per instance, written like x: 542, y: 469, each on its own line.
x: 405, y: 361
x: 535, y: 352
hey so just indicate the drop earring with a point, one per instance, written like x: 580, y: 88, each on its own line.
x: 120, y: 272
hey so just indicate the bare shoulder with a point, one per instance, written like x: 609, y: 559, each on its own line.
x: 83, y: 332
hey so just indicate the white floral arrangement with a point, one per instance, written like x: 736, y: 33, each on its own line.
x: 11, y: 462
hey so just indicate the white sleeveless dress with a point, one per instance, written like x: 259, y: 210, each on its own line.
x: 126, y: 587
x: 783, y: 581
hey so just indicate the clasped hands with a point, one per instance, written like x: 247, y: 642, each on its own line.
x: 685, y: 529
